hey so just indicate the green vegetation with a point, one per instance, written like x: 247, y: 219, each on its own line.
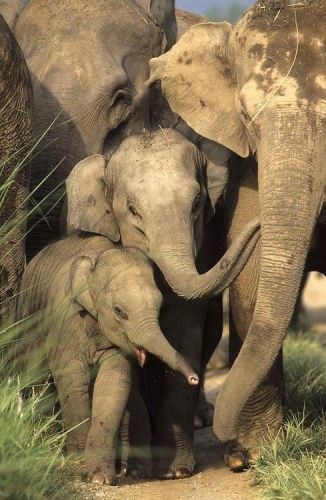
x: 294, y: 465
x: 32, y: 462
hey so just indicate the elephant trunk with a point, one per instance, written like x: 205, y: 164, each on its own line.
x: 152, y: 339
x: 175, y: 258
x: 291, y: 189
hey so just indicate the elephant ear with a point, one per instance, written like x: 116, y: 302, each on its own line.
x: 80, y: 273
x: 197, y: 81
x: 163, y: 11
x: 89, y: 199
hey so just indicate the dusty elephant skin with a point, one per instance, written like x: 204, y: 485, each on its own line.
x: 15, y: 137
x: 10, y: 10
x: 268, y: 73
x: 89, y: 62
x: 157, y: 192
x: 88, y: 298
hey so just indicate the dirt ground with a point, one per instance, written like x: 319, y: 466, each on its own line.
x: 212, y: 479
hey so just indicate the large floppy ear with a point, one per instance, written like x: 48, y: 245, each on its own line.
x: 89, y: 199
x: 80, y: 273
x: 163, y: 11
x: 198, y: 83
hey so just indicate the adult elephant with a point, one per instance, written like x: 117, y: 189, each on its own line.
x: 260, y: 88
x: 89, y: 62
x: 15, y: 136
x: 10, y: 10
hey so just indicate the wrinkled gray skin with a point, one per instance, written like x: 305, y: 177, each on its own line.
x: 156, y: 193
x: 10, y: 10
x: 90, y: 297
x: 15, y: 135
x: 89, y: 62
x: 269, y: 76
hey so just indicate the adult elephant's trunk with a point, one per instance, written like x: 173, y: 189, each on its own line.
x: 291, y: 189
x: 173, y: 252
x: 152, y: 339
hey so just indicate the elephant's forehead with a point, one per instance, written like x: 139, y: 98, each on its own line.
x: 135, y: 289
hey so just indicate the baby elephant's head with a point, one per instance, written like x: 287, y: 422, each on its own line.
x: 119, y: 291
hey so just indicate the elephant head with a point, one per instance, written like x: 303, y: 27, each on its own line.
x: 260, y: 88
x: 89, y: 62
x: 155, y: 193
x: 118, y: 289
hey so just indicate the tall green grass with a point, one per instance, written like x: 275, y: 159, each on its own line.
x: 294, y: 465
x: 32, y: 460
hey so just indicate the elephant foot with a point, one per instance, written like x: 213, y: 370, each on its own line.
x: 204, y: 412
x: 136, y: 470
x: 181, y: 468
x: 181, y: 472
x: 238, y: 458
x: 101, y: 473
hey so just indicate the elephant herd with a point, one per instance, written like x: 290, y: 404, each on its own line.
x: 164, y: 159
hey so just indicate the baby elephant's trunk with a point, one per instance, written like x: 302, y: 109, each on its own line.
x: 154, y: 342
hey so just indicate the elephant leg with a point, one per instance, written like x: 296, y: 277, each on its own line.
x: 136, y: 435
x: 110, y: 396
x: 212, y: 334
x: 182, y: 323
x: 72, y: 383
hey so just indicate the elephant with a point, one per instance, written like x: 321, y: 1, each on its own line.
x: 89, y: 62
x: 156, y: 192
x: 16, y: 103
x: 258, y: 88
x: 10, y: 10
x: 93, y: 303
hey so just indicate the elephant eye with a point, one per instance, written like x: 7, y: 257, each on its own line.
x: 132, y: 210
x: 118, y: 311
x: 122, y: 97
x: 196, y: 203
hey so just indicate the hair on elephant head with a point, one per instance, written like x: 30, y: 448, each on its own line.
x: 156, y: 192
x: 89, y: 62
x: 260, y: 87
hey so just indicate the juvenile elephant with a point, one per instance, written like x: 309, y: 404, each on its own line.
x: 91, y: 298
x: 260, y: 88
x: 89, y: 61
x: 15, y: 136
x: 156, y: 193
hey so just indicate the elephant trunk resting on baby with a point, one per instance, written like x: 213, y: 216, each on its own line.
x: 83, y: 296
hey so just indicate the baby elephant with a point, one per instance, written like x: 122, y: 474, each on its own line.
x: 95, y: 303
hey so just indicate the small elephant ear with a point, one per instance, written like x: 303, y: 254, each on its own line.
x: 197, y: 81
x: 163, y: 11
x: 80, y: 273
x: 89, y: 199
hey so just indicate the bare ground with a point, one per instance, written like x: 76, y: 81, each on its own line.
x: 212, y: 480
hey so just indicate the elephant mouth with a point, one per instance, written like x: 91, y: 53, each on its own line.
x: 141, y: 355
